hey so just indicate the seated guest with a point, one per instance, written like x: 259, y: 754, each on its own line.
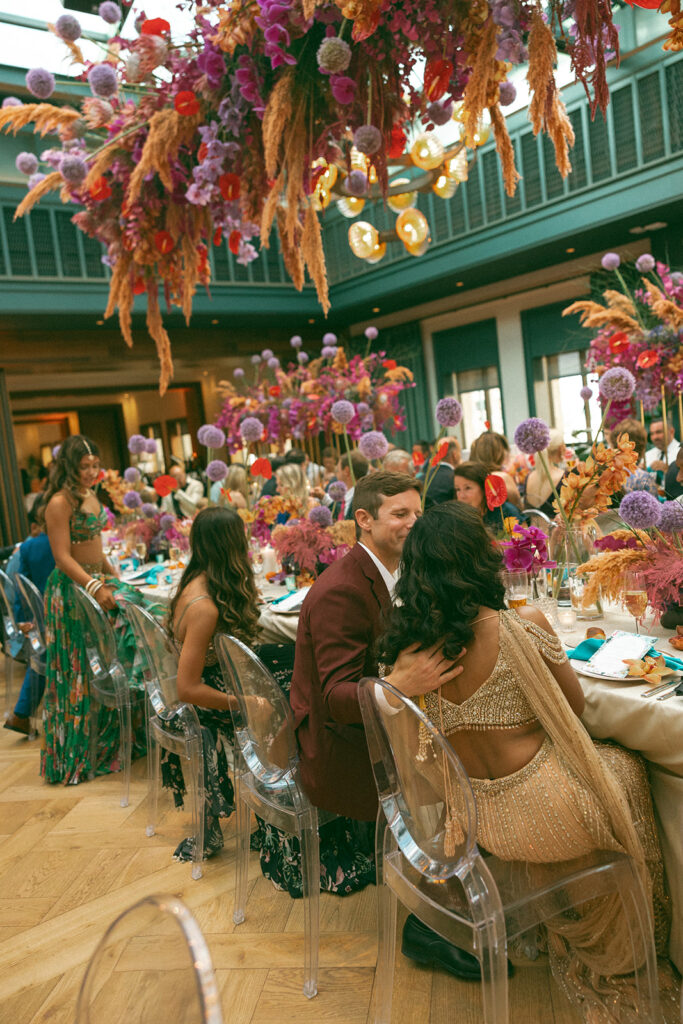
x: 184, y: 501
x: 361, y: 467
x: 292, y: 484
x: 662, y: 454
x: 422, y: 453
x: 539, y: 493
x: 640, y: 479
x: 398, y: 461
x: 469, y: 481
x: 493, y: 451
x: 329, y: 461
x: 36, y: 563
x: 270, y: 486
x: 544, y: 791
x: 673, y: 481
x: 233, y: 489
x: 440, y: 482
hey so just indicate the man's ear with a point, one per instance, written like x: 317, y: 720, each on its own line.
x: 363, y: 518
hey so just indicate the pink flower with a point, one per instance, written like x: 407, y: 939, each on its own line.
x: 343, y: 89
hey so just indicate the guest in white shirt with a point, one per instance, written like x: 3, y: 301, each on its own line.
x: 664, y: 450
x: 184, y: 500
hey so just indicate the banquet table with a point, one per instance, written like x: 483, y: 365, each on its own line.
x: 618, y: 711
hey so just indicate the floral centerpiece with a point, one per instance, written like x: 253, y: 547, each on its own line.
x: 251, y: 120
x: 158, y: 531
x: 308, y: 545
x: 261, y: 519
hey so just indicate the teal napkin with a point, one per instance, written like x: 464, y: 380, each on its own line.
x: 153, y: 574
x: 587, y: 648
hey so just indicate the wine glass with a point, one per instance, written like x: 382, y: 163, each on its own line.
x: 634, y: 596
x: 141, y: 551
x: 256, y: 560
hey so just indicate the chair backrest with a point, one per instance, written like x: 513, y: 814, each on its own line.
x: 263, y: 721
x: 162, y: 660
x: 34, y: 601
x: 106, y: 672
x: 423, y: 789
x: 7, y: 598
x: 151, y: 965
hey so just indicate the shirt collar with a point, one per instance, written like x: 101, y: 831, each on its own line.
x: 389, y: 578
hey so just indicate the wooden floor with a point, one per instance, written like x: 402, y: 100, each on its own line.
x: 71, y: 859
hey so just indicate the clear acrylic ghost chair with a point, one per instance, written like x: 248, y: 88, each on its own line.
x: 14, y: 642
x: 164, y: 708
x: 36, y: 641
x: 267, y: 781
x: 152, y: 965
x: 108, y: 681
x: 477, y: 904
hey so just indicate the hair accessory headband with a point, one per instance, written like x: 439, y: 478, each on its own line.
x: 87, y: 446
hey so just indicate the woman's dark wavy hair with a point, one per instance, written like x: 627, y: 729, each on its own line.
x: 450, y: 568
x: 65, y: 472
x: 219, y: 550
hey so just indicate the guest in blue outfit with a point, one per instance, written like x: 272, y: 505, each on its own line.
x: 36, y: 563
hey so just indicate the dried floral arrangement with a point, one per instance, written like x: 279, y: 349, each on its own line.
x: 215, y: 138
x: 310, y: 543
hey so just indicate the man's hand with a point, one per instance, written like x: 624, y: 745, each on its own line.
x: 658, y: 466
x: 417, y: 672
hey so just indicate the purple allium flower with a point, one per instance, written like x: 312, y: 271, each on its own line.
x: 586, y: 393
x: 110, y: 12
x: 611, y: 261
x: 34, y: 180
x: 337, y: 490
x: 27, y: 163
x: 132, y: 499
x: 211, y: 437
x: 102, y: 80
x: 328, y: 351
x: 532, y: 435
x: 329, y: 338
x: 440, y: 111
x: 40, y: 83
x: 296, y: 341
x: 302, y: 357
x: 131, y: 475
x: 216, y: 470
x: 73, y: 169
x: 362, y: 408
x: 147, y: 508
x: 267, y: 354
x: 367, y: 139
x: 640, y: 509
x: 238, y: 372
x: 671, y: 520
x: 357, y: 183
x: 55, y: 451
x: 251, y: 429
x: 273, y: 362
x: 373, y: 445
x: 371, y: 333
x: 448, y: 412
x: 617, y: 384
x: 136, y: 444
x: 166, y: 521
x: 255, y: 359
x: 321, y: 516
x: 342, y: 411
x: 68, y: 28
x: 507, y: 93
x: 151, y: 446
x: 645, y: 263
x: 11, y: 101
x: 334, y: 55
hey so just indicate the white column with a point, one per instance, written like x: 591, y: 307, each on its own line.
x: 512, y: 365
x: 430, y: 368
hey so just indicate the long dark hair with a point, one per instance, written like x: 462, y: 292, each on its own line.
x: 219, y: 550
x: 65, y: 474
x: 450, y: 568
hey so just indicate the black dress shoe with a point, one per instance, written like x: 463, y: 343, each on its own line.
x: 424, y: 946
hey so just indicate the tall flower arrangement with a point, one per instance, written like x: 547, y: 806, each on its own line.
x: 216, y: 138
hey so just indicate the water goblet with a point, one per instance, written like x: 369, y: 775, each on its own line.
x: 141, y: 551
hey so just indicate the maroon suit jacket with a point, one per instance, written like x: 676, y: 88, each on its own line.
x: 340, y: 619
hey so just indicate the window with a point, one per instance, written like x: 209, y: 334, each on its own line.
x: 180, y: 440
x: 479, y: 394
x: 558, y: 380
x: 153, y: 464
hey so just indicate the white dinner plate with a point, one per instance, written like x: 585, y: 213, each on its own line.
x: 580, y: 667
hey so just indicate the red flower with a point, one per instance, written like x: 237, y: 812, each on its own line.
x: 229, y: 184
x: 437, y: 77
x: 274, y: 391
x: 155, y: 27
x: 163, y: 242
x: 647, y: 359
x: 100, y: 189
x: 261, y: 467
x: 389, y: 364
x: 440, y: 453
x: 648, y: 5
x: 618, y: 342
x: 418, y: 459
x: 234, y: 242
x: 397, y: 142
x: 202, y: 151
x: 164, y: 484
x: 139, y: 286
x: 218, y: 237
x: 101, y: 475
x: 495, y: 490
x: 487, y: 424
x: 186, y: 103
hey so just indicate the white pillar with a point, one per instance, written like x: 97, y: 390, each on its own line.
x: 512, y: 364
x: 430, y: 369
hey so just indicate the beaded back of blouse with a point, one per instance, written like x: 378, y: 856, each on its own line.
x: 499, y: 703
x: 83, y: 526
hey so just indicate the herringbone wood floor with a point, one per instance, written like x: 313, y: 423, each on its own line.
x: 71, y: 859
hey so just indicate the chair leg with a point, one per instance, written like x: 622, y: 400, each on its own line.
x: 9, y: 675
x: 310, y: 874
x: 386, y: 932
x: 638, y: 919
x: 125, y: 742
x: 196, y: 791
x: 242, y: 819
x: 490, y: 940
x: 153, y: 773
x: 94, y: 732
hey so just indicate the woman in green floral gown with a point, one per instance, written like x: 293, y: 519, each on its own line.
x: 74, y: 521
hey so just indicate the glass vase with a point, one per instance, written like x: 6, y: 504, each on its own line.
x: 572, y: 549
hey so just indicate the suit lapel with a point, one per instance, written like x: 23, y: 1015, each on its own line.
x: 370, y: 570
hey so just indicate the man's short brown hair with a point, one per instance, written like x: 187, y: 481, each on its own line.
x: 370, y: 492
x: 360, y: 464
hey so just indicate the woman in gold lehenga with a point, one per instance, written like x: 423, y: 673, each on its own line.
x: 544, y: 791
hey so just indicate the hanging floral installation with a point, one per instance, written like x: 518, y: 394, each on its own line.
x: 254, y: 118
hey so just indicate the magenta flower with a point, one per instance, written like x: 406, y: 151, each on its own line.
x: 40, y: 83
x: 448, y: 412
x: 343, y: 89
x: 342, y: 411
x: 617, y: 384
x: 532, y: 435
x: 216, y: 469
x: 373, y: 445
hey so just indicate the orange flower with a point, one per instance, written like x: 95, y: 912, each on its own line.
x: 100, y: 189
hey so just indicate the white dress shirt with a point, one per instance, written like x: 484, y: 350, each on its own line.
x: 389, y: 578
x: 657, y: 454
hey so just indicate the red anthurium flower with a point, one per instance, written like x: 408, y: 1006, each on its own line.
x: 440, y: 454
x: 618, y: 342
x: 495, y: 490
x: 163, y: 242
x: 487, y: 424
x: 274, y: 391
x: 648, y: 5
x: 202, y: 151
x: 261, y: 467
x: 418, y: 459
x: 155, y: 27
x: 139, y: 286
x: 100, y: 189
x: 389, y: 364
x: 646, y: 359
x: 437, y: 77
x: 218, y: 237
x: 234, y: 242
x: 229, y: 184
x: 164, y: 484
x: 396, y: 143
x: 186, y: 103
x: 101, y: 475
